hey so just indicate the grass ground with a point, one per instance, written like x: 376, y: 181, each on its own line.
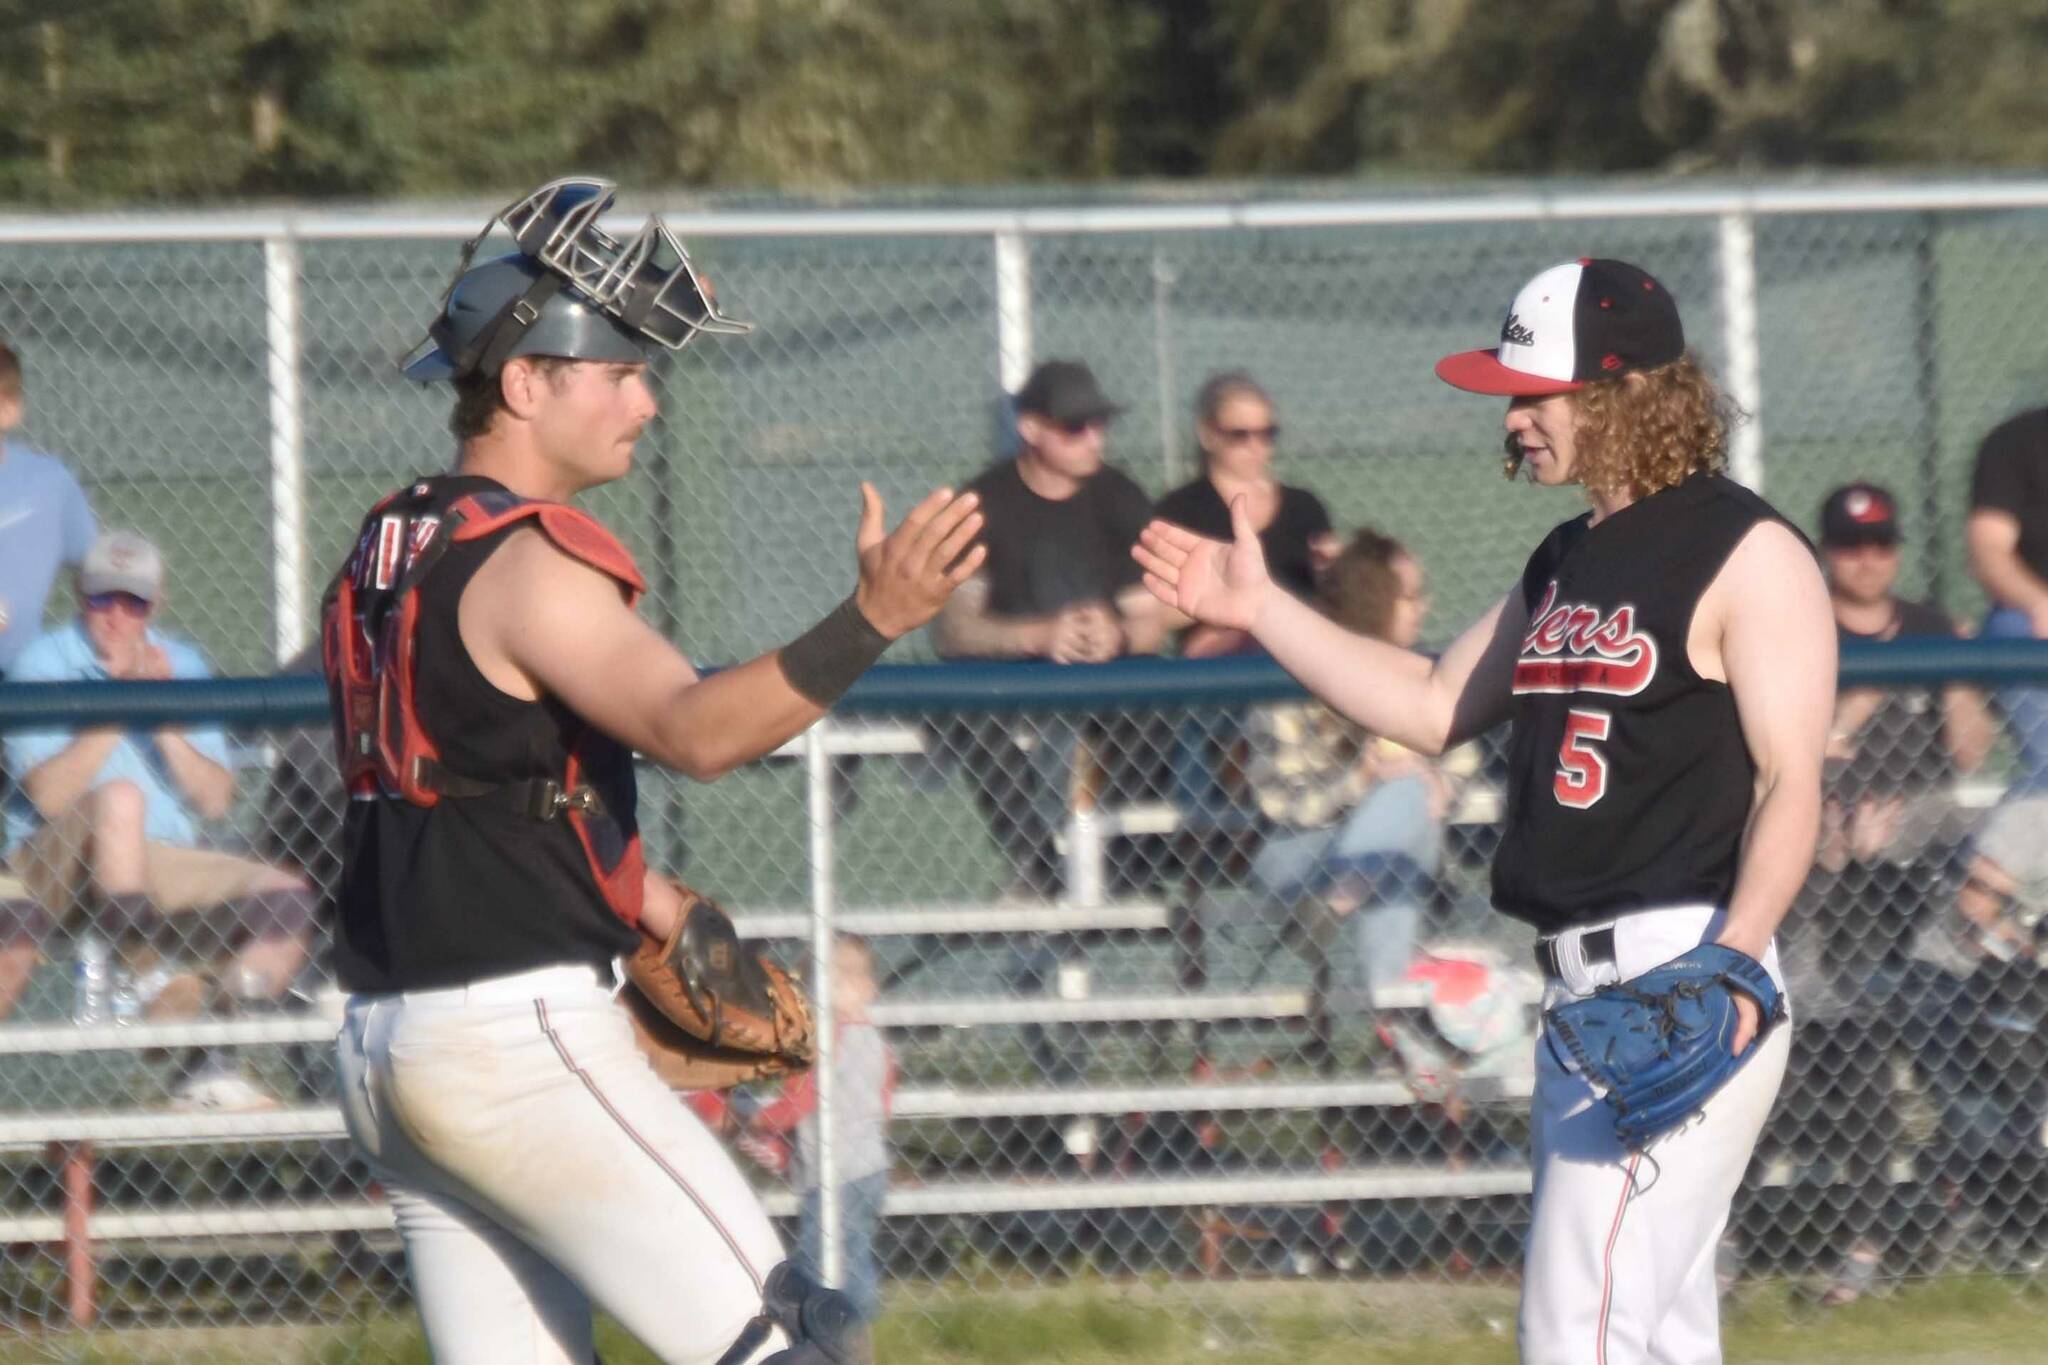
x: 1948, y: 1322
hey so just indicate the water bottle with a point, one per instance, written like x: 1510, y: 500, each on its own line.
x: 1085, y: 856
x: 92, y: 973
x: 124, y: 1000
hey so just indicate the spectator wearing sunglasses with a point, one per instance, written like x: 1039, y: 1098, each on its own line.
x: 1238, y: 431
x: 104, y: 826
x: 1060, y: 584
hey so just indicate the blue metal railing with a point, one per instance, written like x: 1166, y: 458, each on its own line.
x: 959, y: 686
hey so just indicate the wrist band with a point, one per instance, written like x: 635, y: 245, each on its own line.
x: 828, y: 658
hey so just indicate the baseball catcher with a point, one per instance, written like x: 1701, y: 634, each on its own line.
x: 491, y: 684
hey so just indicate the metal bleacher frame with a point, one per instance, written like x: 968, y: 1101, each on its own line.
x: 72, y: 1140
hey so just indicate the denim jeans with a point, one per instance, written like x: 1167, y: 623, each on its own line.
x: 860, y: 1221
x: 2026, y: 708
x: 1389, y: 848
x: 1023, y: 790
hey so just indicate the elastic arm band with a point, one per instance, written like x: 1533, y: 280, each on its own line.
x: 829, y: 658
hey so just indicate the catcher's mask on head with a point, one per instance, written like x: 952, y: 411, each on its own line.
x: 569, y: 290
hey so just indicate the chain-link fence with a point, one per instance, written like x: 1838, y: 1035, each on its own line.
x: 228, y: 385
x: 1175, y: 993
x: 1169, y: 994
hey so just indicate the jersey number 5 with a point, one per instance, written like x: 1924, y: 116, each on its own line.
x: 1581, y: 768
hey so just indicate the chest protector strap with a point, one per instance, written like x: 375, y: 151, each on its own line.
x: 369, y: 626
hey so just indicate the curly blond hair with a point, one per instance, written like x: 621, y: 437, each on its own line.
x: 1640, y: 433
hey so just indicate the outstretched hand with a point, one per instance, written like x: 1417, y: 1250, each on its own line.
x: 1218, y: 583
x: 907, y: 574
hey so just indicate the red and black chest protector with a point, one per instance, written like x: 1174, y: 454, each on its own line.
x: 402, y: 687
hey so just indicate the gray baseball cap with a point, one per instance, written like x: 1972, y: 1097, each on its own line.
x: 122, y: 561
x: 2016, y: 838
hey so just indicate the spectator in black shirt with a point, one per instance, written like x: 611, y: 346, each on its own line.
x: 1060, y: 584
x: 2008, y: 539
x: 1238, y: 431
x: 1895, y: 751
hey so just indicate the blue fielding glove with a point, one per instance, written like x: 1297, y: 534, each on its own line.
x: 1657, y: 1046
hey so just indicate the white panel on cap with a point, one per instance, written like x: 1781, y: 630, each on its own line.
x: 1537, y: 336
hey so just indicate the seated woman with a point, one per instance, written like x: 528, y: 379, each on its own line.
x: 1357, y: 821
x: 1237, y: 431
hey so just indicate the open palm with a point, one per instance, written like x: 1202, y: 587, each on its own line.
x: 1216, y: 582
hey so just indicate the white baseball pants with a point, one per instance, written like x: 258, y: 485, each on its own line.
x: 537, y: 1165
x: 1620, y: 1262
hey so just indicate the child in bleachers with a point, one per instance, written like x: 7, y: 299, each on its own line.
x: 863, y: 1081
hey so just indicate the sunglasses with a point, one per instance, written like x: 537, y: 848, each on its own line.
x: 1082, y: 426
x: 119, y: 601
x: 1239, y: 435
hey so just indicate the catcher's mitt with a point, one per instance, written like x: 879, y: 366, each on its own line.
x: 1658, y: 1045
x: 712, y: 1012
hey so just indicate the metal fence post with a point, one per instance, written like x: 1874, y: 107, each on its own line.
x: 287, y: 454
x: 1013, y: 310
x: 1163, y: 279
x: 1927, y: 385
x: 1740, y: 338
x: 818, y: 801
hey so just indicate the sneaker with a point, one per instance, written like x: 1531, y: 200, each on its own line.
x: 220, y: 1090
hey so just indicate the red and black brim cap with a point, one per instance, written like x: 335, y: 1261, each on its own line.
x: 1481, y: 372
x: 1571, y: 325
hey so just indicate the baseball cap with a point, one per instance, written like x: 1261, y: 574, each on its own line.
x: 1584, y: 320
x: 122, y: 561
x: 1859, y: 514
x: 2016, y: 838
x: 1065, y: 391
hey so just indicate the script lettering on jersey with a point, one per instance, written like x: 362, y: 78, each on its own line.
x: 1571, y: 647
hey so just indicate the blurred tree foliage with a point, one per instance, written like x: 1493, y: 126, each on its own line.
x: 183, y: 100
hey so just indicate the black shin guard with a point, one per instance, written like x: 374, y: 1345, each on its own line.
x: 821, y: 1324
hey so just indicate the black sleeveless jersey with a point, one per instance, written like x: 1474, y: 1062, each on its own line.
x: 440, y: 895
x: 1629, y: 785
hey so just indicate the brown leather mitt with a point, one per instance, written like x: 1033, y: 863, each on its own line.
x: 712, y: 1012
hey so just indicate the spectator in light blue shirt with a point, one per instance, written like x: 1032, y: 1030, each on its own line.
x: 45, y: 522
x: 105, y: 823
